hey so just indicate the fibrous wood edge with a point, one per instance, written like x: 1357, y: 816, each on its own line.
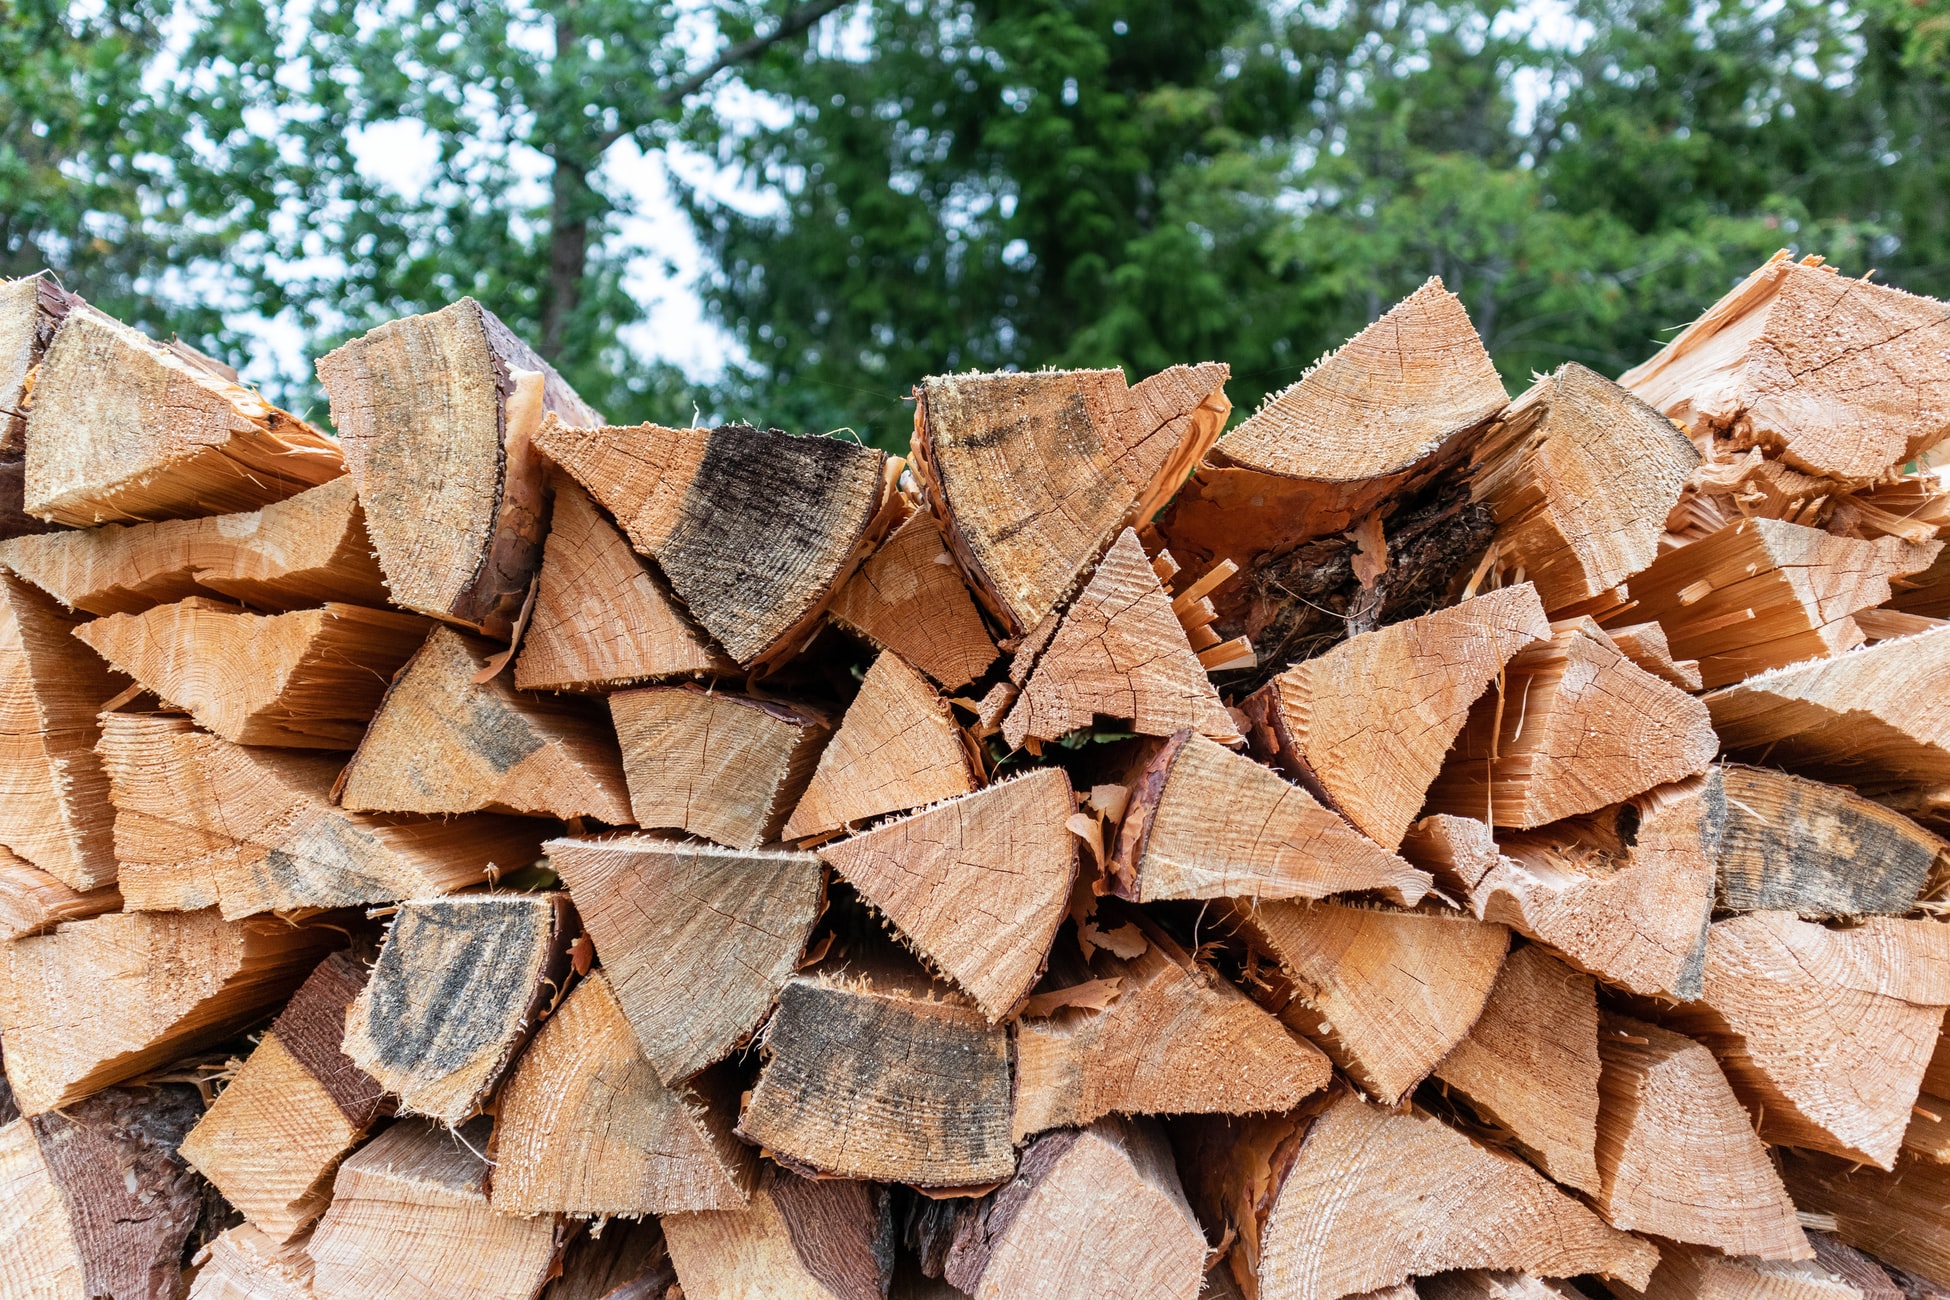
x: 1700, y: 1273
x: 1490, y: 1284
x: 1818, y: 850
x: 31, y: 310
x: 1896, y: 1216
x: 34, y: 902
x: 909, y: 598
x: 798, y: 1239
x: 36, y: 1234
x: 245, y: 1264
x: 1645, y: 644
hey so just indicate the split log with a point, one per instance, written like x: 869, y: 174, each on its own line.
x: 272, y: 1139
x: 1366, y: 725
x: 1120, y: 652
x: 1581, y: 476
x: 112, y: 997
x: 1574, y: 726
x: 1204, y: 822
x: 909, y: 598
x: 1094, y: 1213
x: 305, y: 680
x: 1488, y: 1284
x: 1645, y: 644
x: 459, y: 986
x: 200, y: 822
x: 36, y: 1232
x: 585, y: 1128
x: 1928, y: 1135
x: 1033, y: 475
x: 881, y: 1077
x: 244, y: 1264
x: 444, y: 742
x: 1866, y: 1275
x: 727, y: 767
x: 755, y: 529
x: 1825, y: 1033
x: 898, y: 747
x: 34, y: 902
x: 603, y: 618
x: 1343, y: 1197
x: 1530, y: 1065
x: 1386, y: 994
x: 1895, y: 1216
x: 1153, y: 1033
x: 437, y: 414
x: 1837, y: 377
x: 1677, y: 1154
x: 123, y: 428
x: 978, y: 885
x: 31, y: 310
x: 629, y: 1260
x: 1817, y: 850
x: 54, y: 808
x: 309, y: 549
x: 410, y: 1220
x: 1694, y: 1273
x: 798, y: 1239
x: 697, y: 940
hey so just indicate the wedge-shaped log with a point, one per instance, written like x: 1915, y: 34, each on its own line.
x: 115, y: 996
x: 123, y: 428
x: 1120, y: 652
x: 1574, y: 726
x: 884, y: 1079
x: 437, y: 413
x: 311, y: 679
x: 1836, y: 376
x: 306, y: 550
x: 445, y: 743
x: 276, y: 1133
x: 410, y: 1221
x: 1895, y: 1216
x: 1697, y: 1273
x: 34, y: 902
x: 602, y: 617
x: 754, y: 528
x: 245, y: 1264
x: 1645, y: 644
x: 978, y: 885
x: 1094, y: 1213
x: 1580, y: 475
x: 1366, y: 725
x: 585, y: 1128
x: 909, y: 598
x: 200, y: 822
x: 1530, y: 1065
x: 31, y: 310
x: 1368, y: 1198
x: 1034, y: 474
x: 1825, y: 1033
x: 799, y: 1239
x: 1386, y: 994
x: 54, y: 808
x: 898, y: 747
x: 1817, y: 850
x: 459, y: 986
x: 1204, y: 822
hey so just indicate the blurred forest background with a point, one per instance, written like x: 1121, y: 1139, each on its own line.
x: 931, y: 184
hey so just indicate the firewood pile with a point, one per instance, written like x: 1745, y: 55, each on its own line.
x: 1408, y: 843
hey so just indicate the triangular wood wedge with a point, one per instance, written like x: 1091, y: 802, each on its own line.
x: 31, y: 310
x: 200, y: 822
x: 803, y: 1238
x: 1896, y: 1217
x: 1839, y: 377
x: 1204, y: 822
x: 909, y: 598
x: 697, y: 939
x: 1344, y: 1197
x: 1367, y: 724
x: 754, y: 528
x: 437, y: 413
x: 246, y: 1264
x: 123, y: 428
x: 602, y: 618
x: 1699, y: 1273
x: 585, y: 1128
x: 898, y: 747
x: 1034, y: 474
x: 1645, y: 644
x: 978, y: 885
x: 1119, y: 653
x: 1677, y: 1153
x: 1817, y: 850
x: 34, y: 902
x: 446, y: 743
x: 311, y: 679
x: 305, y: 550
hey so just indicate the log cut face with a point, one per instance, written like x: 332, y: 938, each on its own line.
x: 754, y: 528
x: 978, y: 885
x: 123, y: 428
x: 245, y: 1264
x: 1366, y: 725
x: 36, y: 1235
x: 1033, y: 475
x: 798, y: 1239
x: 1895, y: 1216
x: 1837, y: 377
x: 445, y: 743
x: 1119, y: 653
x: 909, y: 598
x: 437, y: 413
x: 1696, y: 1273
x: 1204, y: 822
x: 1817, y: 850
x: 31, y: 310
x: 34, y: 902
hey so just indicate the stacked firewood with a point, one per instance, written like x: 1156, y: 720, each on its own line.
x: 1409, y: 842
